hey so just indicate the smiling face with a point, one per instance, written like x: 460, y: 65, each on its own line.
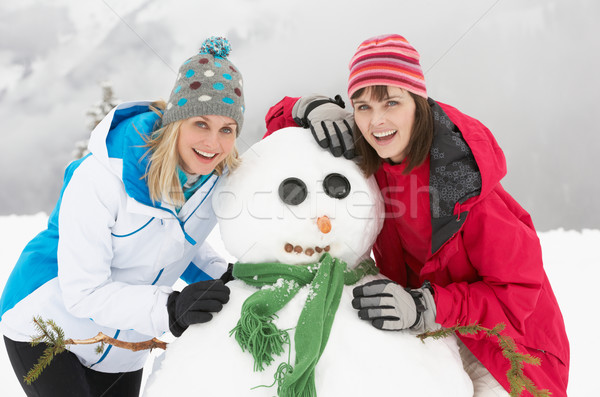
x: 386, y: 124
x: 204, y: 142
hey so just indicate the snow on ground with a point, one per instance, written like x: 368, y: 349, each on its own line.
x: 571, y: 258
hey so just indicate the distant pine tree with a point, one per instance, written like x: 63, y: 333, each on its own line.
x: 96, y: 113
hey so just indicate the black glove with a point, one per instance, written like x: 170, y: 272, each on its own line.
x: 195, y: 303
x: 391, y: 307
x: 228, y: 275
x: 329, y: 123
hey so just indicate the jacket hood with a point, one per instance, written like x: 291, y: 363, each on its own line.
x: 486, y: 151
x: 121, y: 136
x: 465, y: 163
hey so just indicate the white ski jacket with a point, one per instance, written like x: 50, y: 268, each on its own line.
x: 109, y: 257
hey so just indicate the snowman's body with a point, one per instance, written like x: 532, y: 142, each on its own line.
x: 288, y: 201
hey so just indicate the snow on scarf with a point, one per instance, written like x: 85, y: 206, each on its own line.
x: 256, y: 333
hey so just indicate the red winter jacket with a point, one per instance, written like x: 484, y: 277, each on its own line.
x: 450, y: 221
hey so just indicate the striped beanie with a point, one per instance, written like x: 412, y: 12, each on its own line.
x: 386, y: 60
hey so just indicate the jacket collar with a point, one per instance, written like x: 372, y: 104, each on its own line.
x: 127, y: 141
x: 122, y: 135
x: 454, y: 177
x: 465, y: 162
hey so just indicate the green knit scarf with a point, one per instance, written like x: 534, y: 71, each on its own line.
x: 256, y: 333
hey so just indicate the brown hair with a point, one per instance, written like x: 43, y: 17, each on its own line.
x: 420, y: 139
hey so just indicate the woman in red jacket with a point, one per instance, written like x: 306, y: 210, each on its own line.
x: 465, y: 250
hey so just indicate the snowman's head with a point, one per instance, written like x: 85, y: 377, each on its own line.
x: 290, y: 200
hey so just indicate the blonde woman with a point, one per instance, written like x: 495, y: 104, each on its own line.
x: 131, y: 219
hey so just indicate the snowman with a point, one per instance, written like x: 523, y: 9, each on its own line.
x: 300, y: 224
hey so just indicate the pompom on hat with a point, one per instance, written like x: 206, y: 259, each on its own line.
x: 207, y: 83
x: 386, y: 60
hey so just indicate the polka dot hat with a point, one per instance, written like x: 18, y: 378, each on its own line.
x: 207, y: 83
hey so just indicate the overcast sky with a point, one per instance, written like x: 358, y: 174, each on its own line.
x: 526, y: 69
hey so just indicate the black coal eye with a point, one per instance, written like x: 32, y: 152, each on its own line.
x: 293, y: 191
x: 336, y: 186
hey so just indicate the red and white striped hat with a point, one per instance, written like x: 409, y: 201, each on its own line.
x: 386, y: 60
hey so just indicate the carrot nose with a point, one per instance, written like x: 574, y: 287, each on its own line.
x: 324, y: 224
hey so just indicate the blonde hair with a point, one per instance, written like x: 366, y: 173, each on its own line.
x: 161, y: 176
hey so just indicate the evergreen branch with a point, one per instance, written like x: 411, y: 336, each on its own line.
x: 41, y: 364
x: 54, y: 337
x: 58, y: 330
x: 517, y: 380
x: 100, y: 348
x: 44, y: 333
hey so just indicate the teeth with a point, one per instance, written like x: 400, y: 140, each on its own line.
x: 384, y: 133
x: 205, y: 154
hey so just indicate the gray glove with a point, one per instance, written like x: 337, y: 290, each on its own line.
x: 391, y: 307
x: 329, y: 123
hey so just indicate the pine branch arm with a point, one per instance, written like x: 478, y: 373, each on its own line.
x: 51, y: 334
x: 517, y: 379
x: 133, y: 346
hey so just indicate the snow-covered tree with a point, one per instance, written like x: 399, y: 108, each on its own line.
x: 96, y: 113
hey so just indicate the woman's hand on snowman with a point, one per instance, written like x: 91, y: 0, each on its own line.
x: 227, y: 276
x: 391, y: 307
x: 195, y: 304
x: 329, y: 123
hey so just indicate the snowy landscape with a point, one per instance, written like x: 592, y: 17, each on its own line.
x: 528, y: 70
